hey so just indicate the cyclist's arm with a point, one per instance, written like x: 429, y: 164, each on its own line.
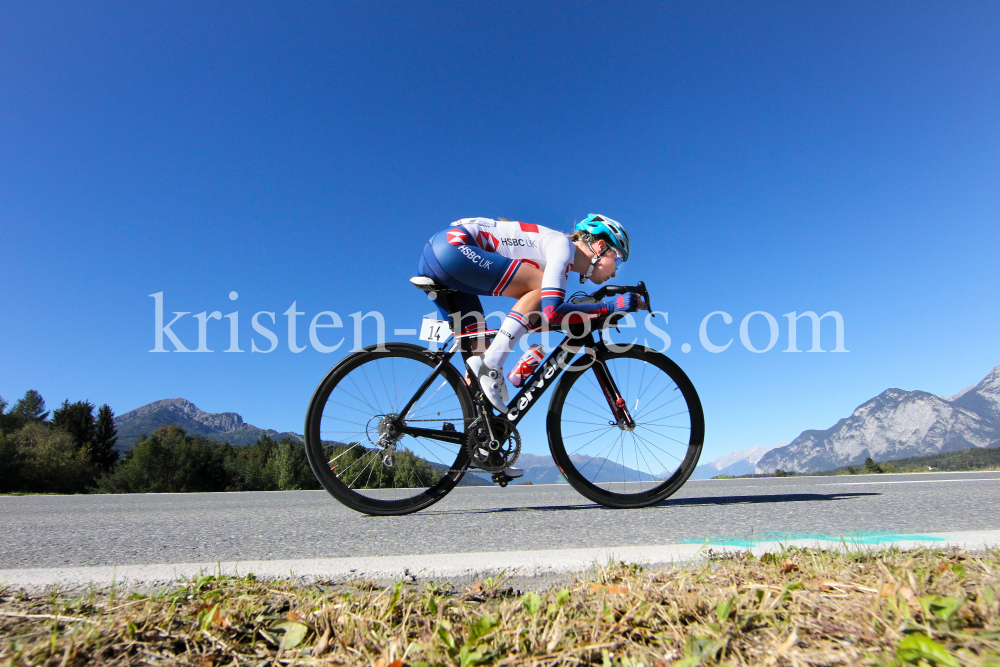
x: 559, y: 255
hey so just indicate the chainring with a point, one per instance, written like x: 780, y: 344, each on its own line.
x: 504, y: 451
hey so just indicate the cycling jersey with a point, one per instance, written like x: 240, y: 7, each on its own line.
x: 482, y: 256
x: 544, y: 248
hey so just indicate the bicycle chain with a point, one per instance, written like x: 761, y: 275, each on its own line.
x: 468, y: 419
x: 464, y: 419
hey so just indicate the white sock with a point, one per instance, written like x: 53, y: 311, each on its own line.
x: 513, y: 327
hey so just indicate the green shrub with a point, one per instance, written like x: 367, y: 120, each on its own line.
x: 11, y: 462
x: 169, y: 461
x: 49, y: 461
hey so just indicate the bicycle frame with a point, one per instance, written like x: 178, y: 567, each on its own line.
x: 540, y: 381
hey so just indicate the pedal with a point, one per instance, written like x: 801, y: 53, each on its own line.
x: 501, y: 479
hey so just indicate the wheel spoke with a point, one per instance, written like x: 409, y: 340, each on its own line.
x: 368, y: 414
x: 653, y: 428
x: 577, y: 435
x: 587, y: 443
x: 683, y: 412
x: 663, y: 405
x: 655, y: 446
x: 665, y: 436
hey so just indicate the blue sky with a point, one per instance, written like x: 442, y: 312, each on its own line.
x: 764, y: 156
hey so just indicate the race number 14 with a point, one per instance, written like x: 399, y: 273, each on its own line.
x: 435, y: 331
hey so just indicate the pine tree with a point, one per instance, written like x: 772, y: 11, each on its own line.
x: 31, y: 408
x: 103, y: 453
x: 871, y: 467
x: 77, y: 419
x: 7, y: 420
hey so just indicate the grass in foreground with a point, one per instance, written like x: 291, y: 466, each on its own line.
x: 797, y: 607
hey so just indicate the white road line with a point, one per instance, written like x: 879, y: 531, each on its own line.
x: 452, y: 566
x: 915, y: 481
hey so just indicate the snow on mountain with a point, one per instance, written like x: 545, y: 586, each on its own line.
x: 751, y: 455
x: 897, y: 424
x: 740, y: 462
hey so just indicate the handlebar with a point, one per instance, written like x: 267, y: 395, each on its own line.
x: 639, y: 289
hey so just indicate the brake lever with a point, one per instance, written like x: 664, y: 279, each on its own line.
x: 645, y: 296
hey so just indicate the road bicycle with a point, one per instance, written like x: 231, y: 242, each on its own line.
x: 392, y: 428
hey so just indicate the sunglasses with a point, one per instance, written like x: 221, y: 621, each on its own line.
x: 618, y: 255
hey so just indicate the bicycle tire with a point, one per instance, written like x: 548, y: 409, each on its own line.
x: 588, y: 472
x: 348, y: 391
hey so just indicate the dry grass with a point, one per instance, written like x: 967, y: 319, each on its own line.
x: 797, y: 607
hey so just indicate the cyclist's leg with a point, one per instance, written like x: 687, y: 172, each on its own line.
x: 465, y: 304
x: 466, y: 267
x: 451, y: 259
x: 471, y: 270
x: 526, y: 287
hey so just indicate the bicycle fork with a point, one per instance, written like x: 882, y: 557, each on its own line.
x: 616, y: 402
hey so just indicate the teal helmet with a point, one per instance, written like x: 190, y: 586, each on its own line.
x: 607, y: 229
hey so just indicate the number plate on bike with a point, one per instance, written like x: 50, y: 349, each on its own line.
x: 435, y: 331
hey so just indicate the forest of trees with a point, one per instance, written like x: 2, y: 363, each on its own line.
x: 72, y: 450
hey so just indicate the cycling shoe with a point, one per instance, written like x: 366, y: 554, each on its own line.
x: 491, y: 380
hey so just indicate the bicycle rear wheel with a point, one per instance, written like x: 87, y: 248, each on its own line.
x: 350, y: 412
x: 618, y: 467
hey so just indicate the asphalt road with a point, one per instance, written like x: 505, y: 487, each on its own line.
x: 61, y: 531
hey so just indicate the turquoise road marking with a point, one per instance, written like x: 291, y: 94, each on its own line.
x: 849, y: 538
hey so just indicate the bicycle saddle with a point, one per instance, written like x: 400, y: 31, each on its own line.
x: 430, y: 285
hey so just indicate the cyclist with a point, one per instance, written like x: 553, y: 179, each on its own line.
x: 531, y: 263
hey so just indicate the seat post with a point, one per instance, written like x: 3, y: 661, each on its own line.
x: 447, y: 302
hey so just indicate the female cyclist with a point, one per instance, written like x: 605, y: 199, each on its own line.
x: 531, y: 263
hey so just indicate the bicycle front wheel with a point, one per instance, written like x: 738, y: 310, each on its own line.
x: 354, y: 407
x: 622, y: 467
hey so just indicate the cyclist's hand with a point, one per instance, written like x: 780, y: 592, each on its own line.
x: 626, y: 303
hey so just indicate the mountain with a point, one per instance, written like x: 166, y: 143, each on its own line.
x: 224, y: 426
x: 897, y: 424
x: 543, y: 470
x: 741, y: 462
x: 984, y: 398
x: 539, y: 469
